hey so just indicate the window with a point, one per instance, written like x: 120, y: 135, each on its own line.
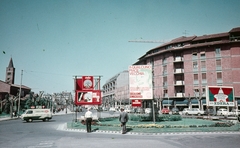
x: 218, y: 50
x: 203, y: 64
x: 194, y: 55
x: 165, y: 91
x: 218, y: 64
x: 29, y: 112
x: 195, y: 76
x: 219, y: 75
x: 164, y: 81
x: 164, y: 61
x: 202, y: 54
x: 165, y: 69
x: 195, y: 65
x: 204, y: 76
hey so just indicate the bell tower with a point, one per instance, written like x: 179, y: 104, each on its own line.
x: 10, y: 73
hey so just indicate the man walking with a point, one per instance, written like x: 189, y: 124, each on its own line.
x: 123, y: 118
x: 88, y: 121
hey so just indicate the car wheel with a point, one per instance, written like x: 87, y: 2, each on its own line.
x: 199, y: 114
x: 186, y: 113
x: 30, y: 120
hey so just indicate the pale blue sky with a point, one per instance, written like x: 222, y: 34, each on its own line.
x: 53, y: 40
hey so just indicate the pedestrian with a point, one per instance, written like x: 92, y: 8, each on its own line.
x: 123, y: 118
x: 88, y: 120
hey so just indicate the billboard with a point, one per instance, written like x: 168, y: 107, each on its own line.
x: 85, y: 94
x: 140, y: 82
x: 88, y: 97
x: 220, y: 96
x: 136, y: 103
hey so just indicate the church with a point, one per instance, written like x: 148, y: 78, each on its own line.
x: 9, y: 87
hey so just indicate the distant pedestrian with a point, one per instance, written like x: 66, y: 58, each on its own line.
x: 88, y: 120
x: 123, y: 118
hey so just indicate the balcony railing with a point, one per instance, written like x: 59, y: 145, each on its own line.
x: 178, y: 59
x: 178, y: 70
x: 179, y: 94
x: 179, y: 82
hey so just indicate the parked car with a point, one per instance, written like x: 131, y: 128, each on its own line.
x: 222, y: 112
x: 175, y: 111
x: 139, y: 110
x: 148, y: 110
x: 194, y: 111
x: 128, y: 110
x: 234, y: 112
x: 185, y: 110
x: 112, y: 109
x: 165, y: 111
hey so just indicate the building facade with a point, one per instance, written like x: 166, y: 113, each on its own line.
x: 183, y: 67
x: 116, y: 91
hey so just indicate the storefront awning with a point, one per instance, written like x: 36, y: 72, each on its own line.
x: 194, y: 102
x: 167, y: 102
x: 181, y: 103
x: 204, y: 101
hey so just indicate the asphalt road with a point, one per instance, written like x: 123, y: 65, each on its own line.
x: 38, y: 134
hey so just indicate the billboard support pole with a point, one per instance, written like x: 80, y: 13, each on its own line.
x: 154, y: 120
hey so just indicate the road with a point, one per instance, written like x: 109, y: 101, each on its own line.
x: 38, y: 134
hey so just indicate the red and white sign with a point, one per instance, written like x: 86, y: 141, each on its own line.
x: 88, y: 97
x: 136, y: 103
x: 87, y: 83
x: 85, y: 94
x: 220, y: 96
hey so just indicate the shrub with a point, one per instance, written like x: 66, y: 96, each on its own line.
x: 175, y: 118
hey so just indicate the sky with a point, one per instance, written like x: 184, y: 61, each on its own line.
x: 52, y: 41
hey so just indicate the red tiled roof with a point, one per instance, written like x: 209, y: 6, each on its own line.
x: 235, y: 30
x: 210, y: 36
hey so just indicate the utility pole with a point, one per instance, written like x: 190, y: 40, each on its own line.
x: 20, y: 92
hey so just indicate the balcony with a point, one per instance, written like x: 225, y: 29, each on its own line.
x: 179, y: 82
x: 178, y: 59
x: 179, y: 94
x: 178, y: 71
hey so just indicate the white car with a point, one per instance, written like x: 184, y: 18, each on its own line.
x: 234, y: 112
x: 185, y: 111
x: 194, y: 111
x: 222, y: 112
x: 148, y: 110
x: 128, y: 110
x: 112, y: 109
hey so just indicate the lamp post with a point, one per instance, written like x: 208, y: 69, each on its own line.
x: 66, y: 103
x: 20, y: 92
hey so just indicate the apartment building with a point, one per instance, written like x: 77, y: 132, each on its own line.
x: 183, y: 67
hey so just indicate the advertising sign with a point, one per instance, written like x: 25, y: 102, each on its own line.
x: 136, y: 103
x: 140, y: 82
x: 85, y: 94
x: 220, y: 96
x: 87, y: 82
x: 88, y: 97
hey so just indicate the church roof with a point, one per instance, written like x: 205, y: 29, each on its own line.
x: 10, y: 65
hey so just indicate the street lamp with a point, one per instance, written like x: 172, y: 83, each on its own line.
x: 66, y: 103
x: 20, y: 92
